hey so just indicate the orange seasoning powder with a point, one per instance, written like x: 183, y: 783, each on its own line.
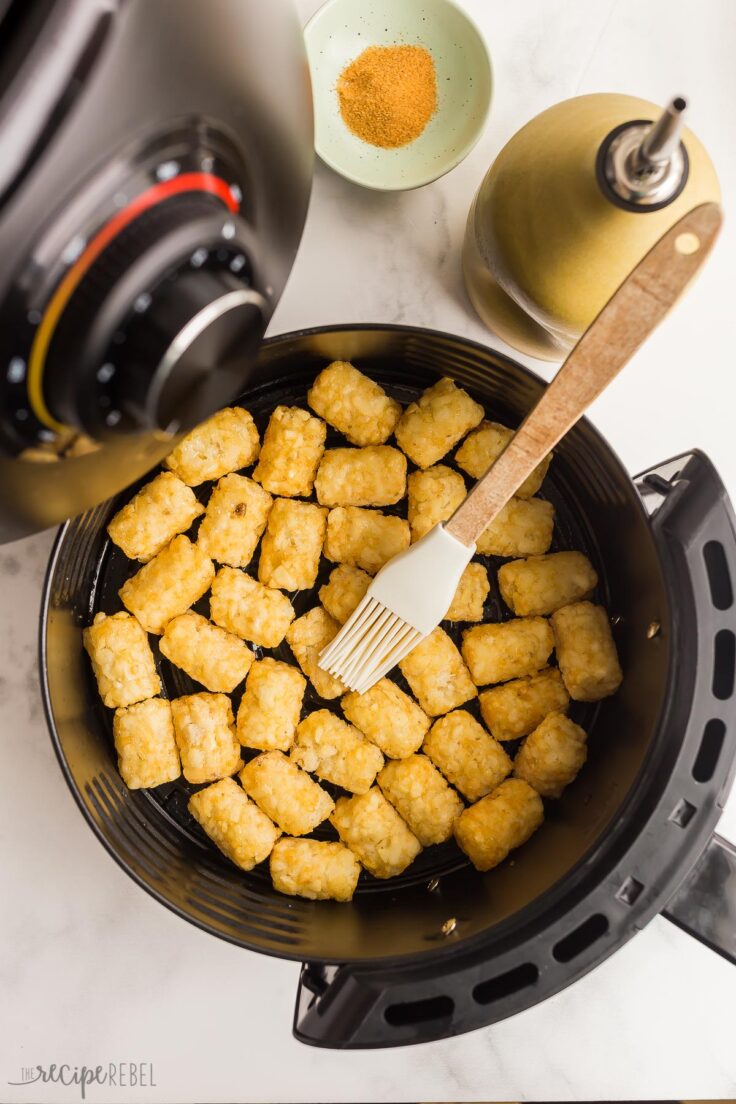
x: 388, y: 94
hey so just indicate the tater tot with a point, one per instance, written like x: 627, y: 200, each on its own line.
x: 344, y: 591
x: 517, y: 707
x: 388, y: 717
x: 484, y: 445
x: 524, y: 527
x: 205, y: 735
x: 309, y: 634
x: 224, y: 443
x: 153, y: 517
x: 552, y: 755
x: 421, y: 797
x: 208, y: 654
x: 270, y: 707
x: 286, y: 794
x: 507, y: 650
x: 354, y: 404
x: 314, y: 869
x: 122, y: 660
x: 292, y: 448
x: 467, y: 756
x: 145, y: 743
x: 432, y: 425
x: 498, y: 823
x: 248, y: 609
x: 292, y: 544
x: 434, y: 495
x: 336, y: 752
x: 370, y: 826
x: 438, y: 678
x: 168, y: 584
x: 364, y: 538
x: 470, y: 596
x: 236, y: 516
x: 542, y: 584
x: 234, y: 823
x: 586, y: 652
x: 370, y: 476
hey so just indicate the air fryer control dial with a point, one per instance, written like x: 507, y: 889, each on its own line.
x: 179, y: 352
x: 155, y: 334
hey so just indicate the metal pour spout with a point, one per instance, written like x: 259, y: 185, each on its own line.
x: 644, y: 165
x: 663, y: 137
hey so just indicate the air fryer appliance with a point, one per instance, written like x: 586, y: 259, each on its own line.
x: 444, y: 949
x: 155, y: 165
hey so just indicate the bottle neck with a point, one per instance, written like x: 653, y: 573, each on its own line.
x: 643, y: 166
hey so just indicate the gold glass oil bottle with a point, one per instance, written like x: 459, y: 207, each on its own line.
x: 568, y: 208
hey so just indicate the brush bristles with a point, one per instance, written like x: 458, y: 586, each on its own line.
x: 370, y: 643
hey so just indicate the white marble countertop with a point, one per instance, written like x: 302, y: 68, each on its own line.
x: 93, y: 970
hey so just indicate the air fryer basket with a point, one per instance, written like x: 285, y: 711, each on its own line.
x: 612, y: 851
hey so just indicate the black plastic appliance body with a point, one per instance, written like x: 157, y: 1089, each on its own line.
x: 155, y: 169
x: 632, y: 836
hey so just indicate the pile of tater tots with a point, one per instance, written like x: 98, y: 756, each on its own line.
x: 404, y: 771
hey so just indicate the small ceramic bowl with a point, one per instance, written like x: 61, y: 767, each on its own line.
x: 341, y: 29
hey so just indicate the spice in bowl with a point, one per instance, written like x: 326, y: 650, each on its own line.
x: 388, y: 94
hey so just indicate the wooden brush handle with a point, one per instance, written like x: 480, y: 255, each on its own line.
x: 630, y: 315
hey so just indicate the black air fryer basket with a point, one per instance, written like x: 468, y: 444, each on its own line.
x: 444, y: 949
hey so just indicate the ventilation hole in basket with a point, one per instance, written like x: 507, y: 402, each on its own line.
x: 630, y: 891
x: 682, y: 813
x: 422, y: 1011
x: 584, y: 936
x: 719, y: 578
x: 724, y: 664
x: 709, y: 751
x: 486, y: 992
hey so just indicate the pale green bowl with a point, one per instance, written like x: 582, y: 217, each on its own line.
x: 341, y: 29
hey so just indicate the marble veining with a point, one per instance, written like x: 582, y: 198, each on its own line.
x: 92, y: 970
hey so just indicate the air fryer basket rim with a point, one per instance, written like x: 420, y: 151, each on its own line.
x: 437, y: 952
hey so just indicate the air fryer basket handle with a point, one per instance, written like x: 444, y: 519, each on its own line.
x: 351, y: 1006
x: 705, y: 904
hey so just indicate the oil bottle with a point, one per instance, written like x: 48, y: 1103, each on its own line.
x: 570, y: 205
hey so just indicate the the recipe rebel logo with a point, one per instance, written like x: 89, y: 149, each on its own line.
x: 122, y: 1075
